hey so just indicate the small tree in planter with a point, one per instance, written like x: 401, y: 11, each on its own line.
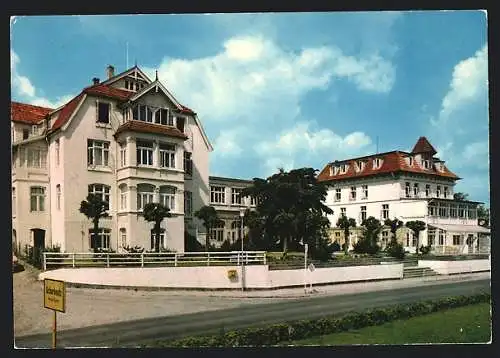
x: 156, y: 212
x: 94, y: 208
x: 416, y: 226
x: 345, y: 224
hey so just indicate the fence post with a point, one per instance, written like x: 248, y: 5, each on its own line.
x: 142, y: 259
x: 107, y: 259
x: 238, y: 258
x: 45, y: 261
x: 73, y: 260
x: 264, y: 258
x: 175, y: 259
x: 208, y: 258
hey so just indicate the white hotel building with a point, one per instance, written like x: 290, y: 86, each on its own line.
x: 126, y: 139
x: 407, y: 186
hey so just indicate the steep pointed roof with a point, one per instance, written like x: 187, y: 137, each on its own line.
x: 27, y: 113
x: 423, y: 146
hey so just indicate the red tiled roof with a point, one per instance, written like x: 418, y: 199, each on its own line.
x: 144, y: 127
x: 393, y: 162
x: 423, y: 146
x: 66, y: 112
x: 28, y: 113
x: 187, y: 110
x: 108, y: 91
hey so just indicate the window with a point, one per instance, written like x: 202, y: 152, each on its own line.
x: 353, y: 193
x: 180, y: 121
x: 26, y: 133
x: 407, y: 239
x: 37, y: 202
x: 427, y: 164
x: 161, y: 242
x: 363, y: 213
x: 461, y: 212
x: 217, y: 232
x: 188, y: 163
x: 58, y: 196
x: 141, y: 112
x: 126, y: 84
x: 167, y: 155
x: 123, y: 155
x: 37, y: 158
x: 217, y: 194
x: 427, y: 190
x: 343, y: 168
x: 385, y: 211
x: 385, y: 236
x: 236, y: 196
x: 342, y: 211
x: 57, y: 151
x: 97, y: 153
x: 360, y: 165
x: 432, y: 210
x: 365, y: 192
x: 163, y: 117
x: 414, y: 241
x: 188, y: 203
x: 472, y: 213
x: 441, y: 238
x: 123, y: 197
x: 446, y: 193
x: 235, y: 232
x: 438, y: 191
x: 415, y: 190
x: 14, y: 201
x: 407, y: 190
x: 338, y: 194
x: 149, y: 115
x: 253, y: 201
x: 457, y: 240
x: 453, y: 211
x: 144, y: 153
x: 431, y: 237
x: 101, y: 191
x: 337, y: 234
x: 167, y: 197
x: 442, y: 211
x: 123, y: 237
x: 103, y: 112
x: 145, y: 195
x: 377, y: 163
x: 34, y: 130
x: 410, y: 161
x: 101, y: 240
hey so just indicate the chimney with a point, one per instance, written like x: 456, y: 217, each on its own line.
x: 95, y: 81
x: 110, y: 71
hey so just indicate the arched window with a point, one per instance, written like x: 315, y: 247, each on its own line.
x: 167, y: 197
x: 100, y: 190
x: 145, y: 195
x: 123, y: 196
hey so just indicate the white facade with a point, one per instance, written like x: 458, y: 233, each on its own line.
x: 92, y: 151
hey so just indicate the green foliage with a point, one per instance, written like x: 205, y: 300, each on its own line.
x: 416, y: 226
x: 289, y: 209
x: 210, y: 219
x: 460, y: 196
x: 345, y: 224
x: 191, y: 244
x: 483, y: 215
x: 367, y: 244
x: 289, y: 331
x: 336, y: 246
x: 94, y: 209
x: 424, y: 250
x: 156, y: 212
x: 395, y: 249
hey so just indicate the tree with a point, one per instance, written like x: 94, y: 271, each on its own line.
x: 460, y: 196
x: 255, y: 226
x: 345, y: 224
x: 416, y: 226
x: 289, y: 205
x: 367, y: 244
x: 483, y: 216
x: 156, y: 212
x: 210, y: 219
x: 394, y: 225
x: 94, y: 208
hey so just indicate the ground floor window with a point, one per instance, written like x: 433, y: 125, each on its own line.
x: 385, y: 237
x: 470, y: 239
x: 161, y: 242
x: 456, y: 240
x: 217, y: 233
x: 441, y: 238
x: 431, y: 238
x: 101, y: 240
x: 123, y: 237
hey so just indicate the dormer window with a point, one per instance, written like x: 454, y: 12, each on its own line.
x: 360, y: 165
x: 410, y: 161
x: 34, y: 130
x: 343, y: 168
x: 377, y: 163
x: 426, y: 163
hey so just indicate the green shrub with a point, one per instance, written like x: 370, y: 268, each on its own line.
x: 276, y: 333
x: 395, y: 249
x: 424, y: 250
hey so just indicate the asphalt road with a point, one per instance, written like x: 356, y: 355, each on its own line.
x: 133, y: 333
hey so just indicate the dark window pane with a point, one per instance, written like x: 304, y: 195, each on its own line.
x: 103, y: 116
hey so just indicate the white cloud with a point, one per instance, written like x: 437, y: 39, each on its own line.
x: 24, y: 88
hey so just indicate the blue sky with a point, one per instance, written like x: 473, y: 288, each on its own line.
x: 289, y: 89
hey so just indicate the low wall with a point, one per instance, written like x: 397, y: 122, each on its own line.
x: 454, y: 267
x: 215, y: 277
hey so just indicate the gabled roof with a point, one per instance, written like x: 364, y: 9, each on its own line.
x: 108, y: 91
x: 145, y: 127
x: 392, y: 162
x: 67, y: 111
x: 126, y: 73
x: 28, y: 113
x: 423, y: 146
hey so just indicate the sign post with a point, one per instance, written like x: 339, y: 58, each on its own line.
x: 311, y: 269
x: 306, y: 247
x: 54, y: 298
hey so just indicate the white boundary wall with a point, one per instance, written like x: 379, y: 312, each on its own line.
x: 216, y: 277
x: 452, y: 267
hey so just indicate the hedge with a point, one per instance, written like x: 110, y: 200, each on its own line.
x: 276, y: 333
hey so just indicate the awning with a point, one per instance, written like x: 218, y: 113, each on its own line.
x: 461, y: 228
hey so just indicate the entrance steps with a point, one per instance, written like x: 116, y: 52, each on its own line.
x: 415, y: 271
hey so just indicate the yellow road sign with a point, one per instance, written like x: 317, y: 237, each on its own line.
x: 54, y: 295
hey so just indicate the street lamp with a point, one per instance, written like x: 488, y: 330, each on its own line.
x: 242, y: 214
x: 306, y: 248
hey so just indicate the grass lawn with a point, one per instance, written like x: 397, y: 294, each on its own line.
x: 468, y: 324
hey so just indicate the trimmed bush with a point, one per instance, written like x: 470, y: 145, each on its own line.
x: 302, y: 329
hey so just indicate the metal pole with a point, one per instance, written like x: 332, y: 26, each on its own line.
x: 54, y: 331
x: 305, y: 267
x: 242, y: 262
